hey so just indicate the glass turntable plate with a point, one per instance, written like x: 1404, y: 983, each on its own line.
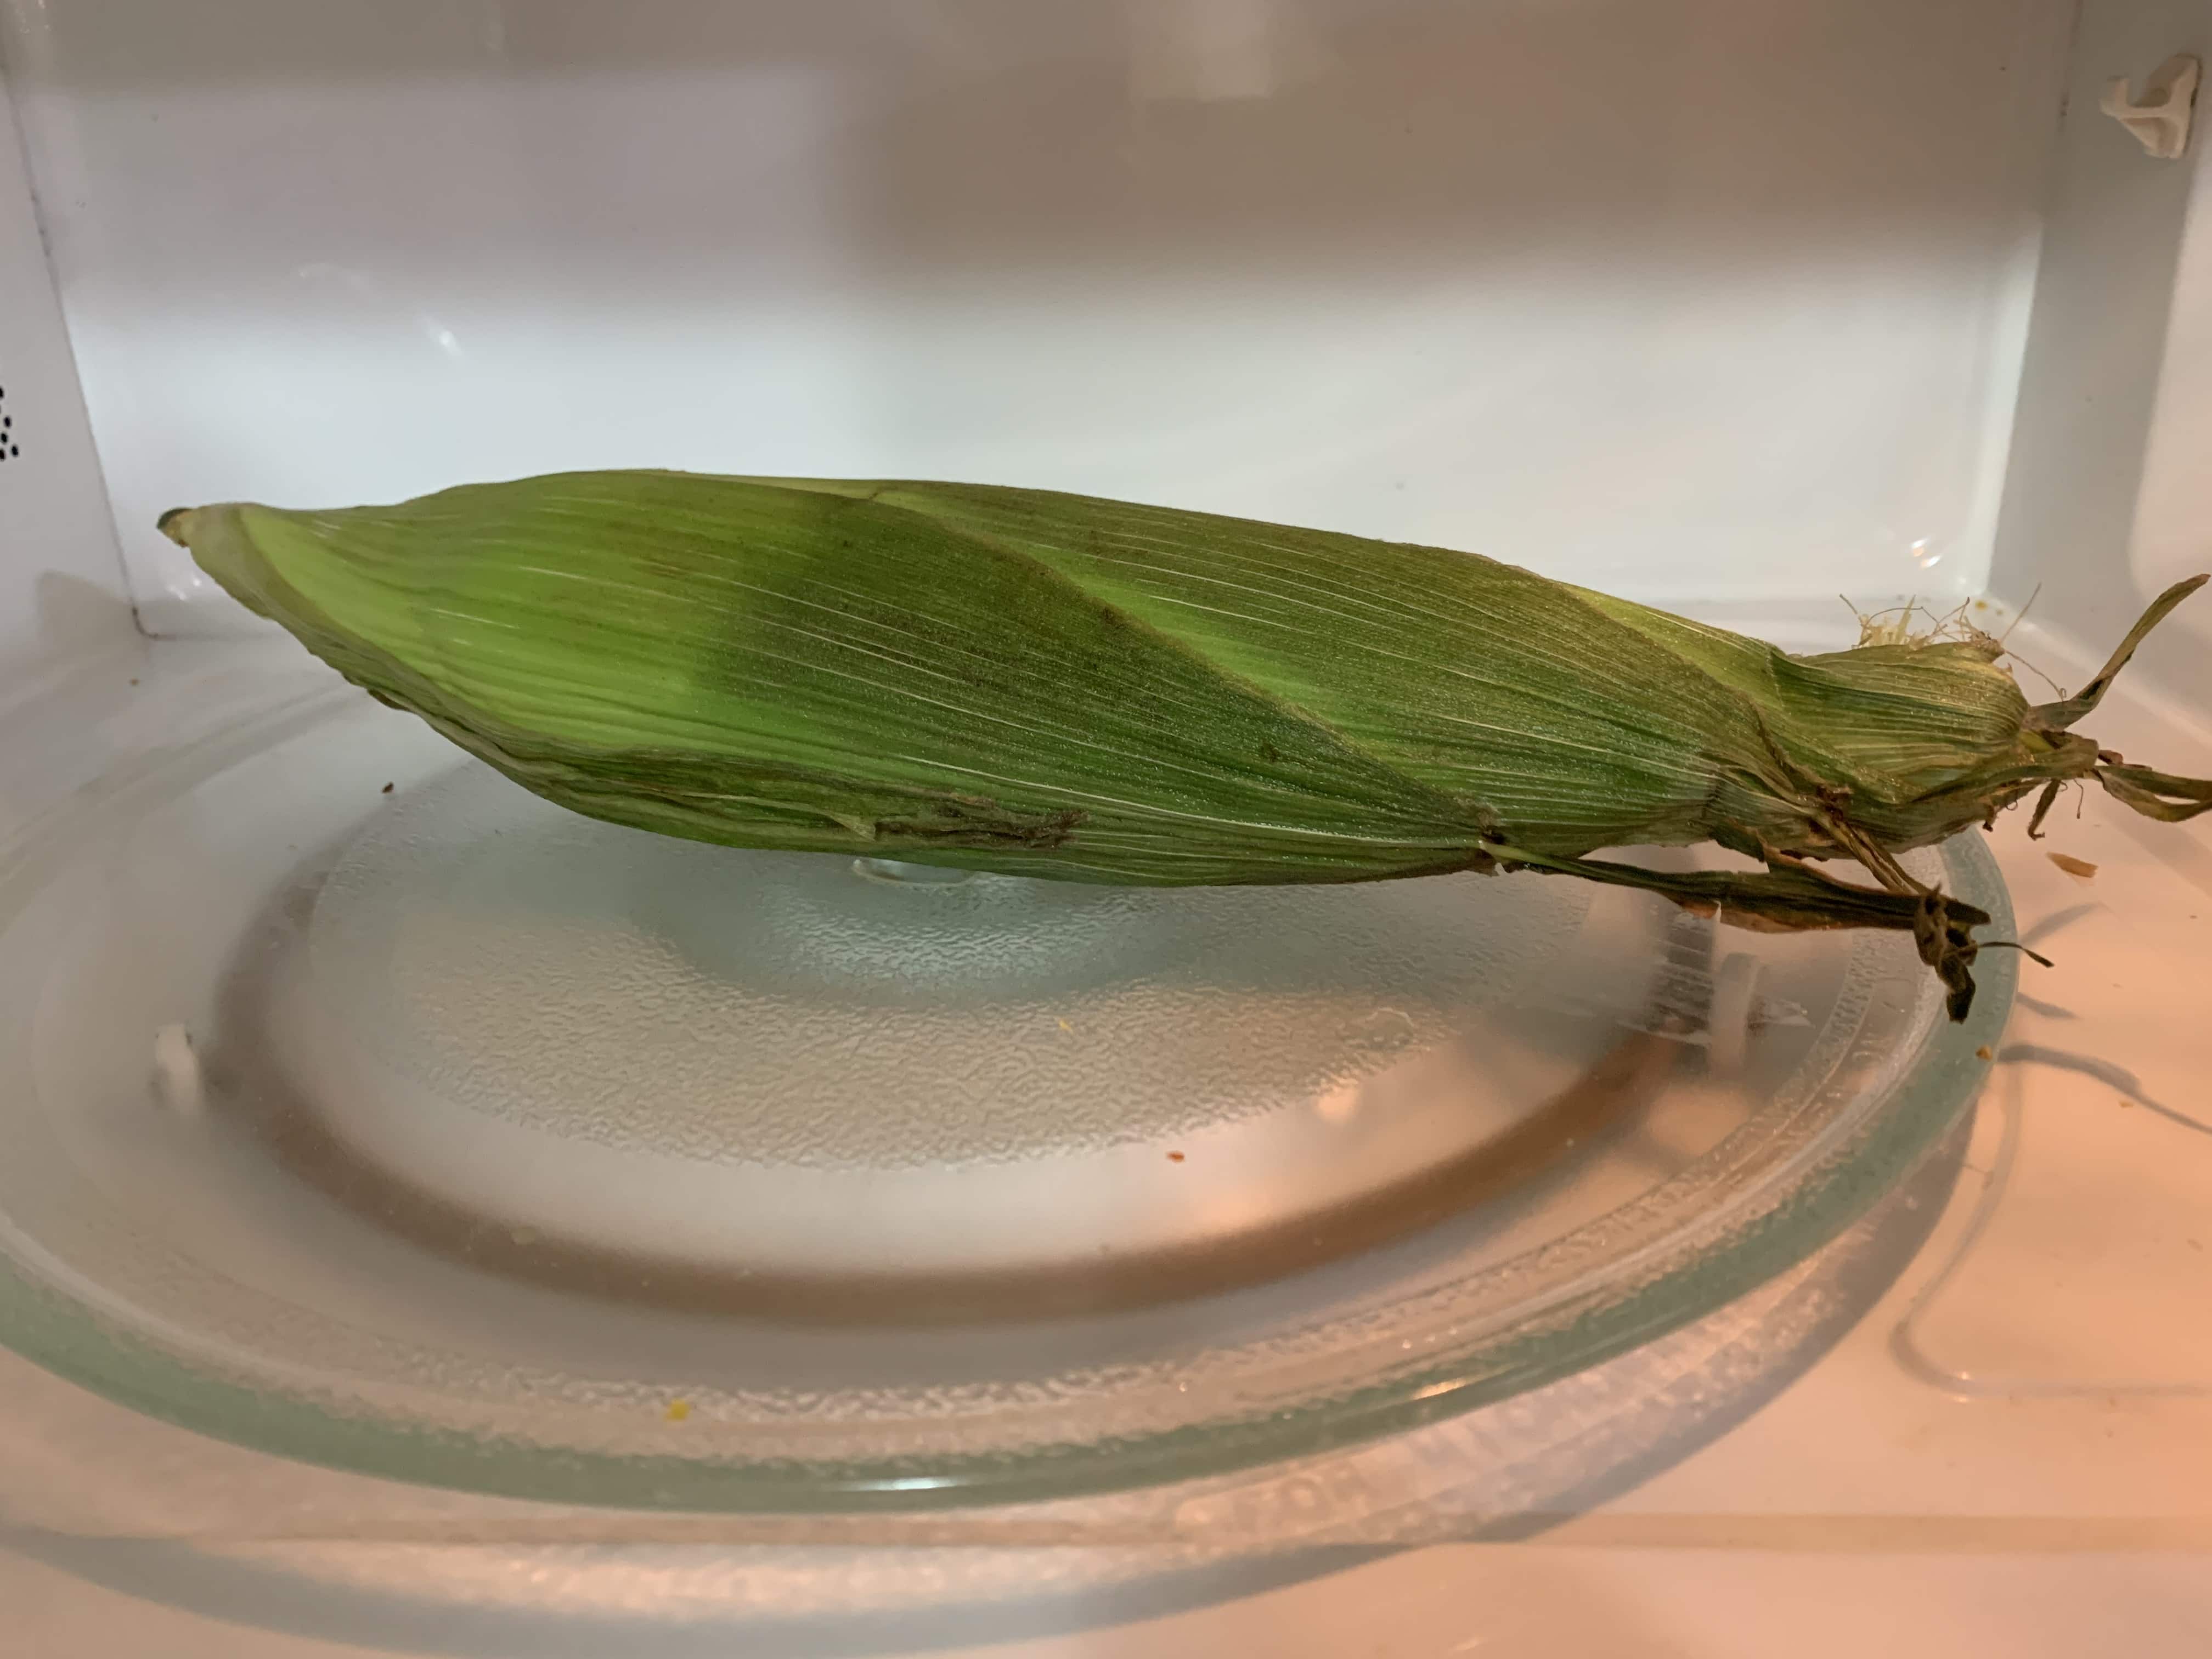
x: 436, y: 1132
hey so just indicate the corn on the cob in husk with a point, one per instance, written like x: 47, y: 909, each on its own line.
x: 1053, y: 685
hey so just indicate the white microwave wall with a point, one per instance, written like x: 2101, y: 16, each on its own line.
x: 1693, y: 300
x: 2108, y: 494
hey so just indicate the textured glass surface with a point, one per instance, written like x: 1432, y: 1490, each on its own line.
x: 540, y: 1155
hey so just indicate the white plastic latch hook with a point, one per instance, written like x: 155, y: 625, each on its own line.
x: 2160, y: 119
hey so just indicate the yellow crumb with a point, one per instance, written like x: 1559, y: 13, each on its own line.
x: 679, y: 1410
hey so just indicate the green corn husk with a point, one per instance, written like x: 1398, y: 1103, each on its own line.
x: 1053, y: 685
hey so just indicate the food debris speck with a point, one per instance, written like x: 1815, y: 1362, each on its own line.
x: 1064, y: 1026
x: 1175, y: 1158
x: 679, y: 1410
x: 1984, y: 1052
x: 2072, y: 865
x: 176, y: 1080
x: 2126, y: 1102
x: 386, y: 790
x: 134, y: 682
